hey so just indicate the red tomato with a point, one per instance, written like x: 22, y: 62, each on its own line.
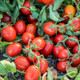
x: 27, y: 36
x: 51, y: 3
x: 52, y: 39
x: 22, y: 63
x: 26, y: 11
x: 39, y: 42
x: 70, y: 9
x: 56, y: 50
x: 63, y: 54
x: 48, y: 30
x: 43, y: 66
x: 58, y: 38
x: 62, y: 29
x: 40, y: 1
x: 71, y: 43
x: 76, y: 25
x: 6, y: 18
x: 61, y: 66
x: 32, y: 73
x: 47, y: 49
x: 20, y: 27
x: 30, y: 19
x: 14, y: 49
x: 8, y: 33
x: 75, y: 61
x: 31, y: 28
x: 34, y: 58
x: 47, y: 1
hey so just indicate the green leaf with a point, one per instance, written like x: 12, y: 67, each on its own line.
x: 5, y: 78
x: 34, y: 15
x: 1, y: 16
x: 69, y: 32
x: 77, y: 77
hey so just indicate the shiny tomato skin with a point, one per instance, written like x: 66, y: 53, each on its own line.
x: 6, y: 18
x: 56, y: 50
x: 8, y: 33
x: 20, y: 27
x: 40, y: 1
x: 70, y: 9
x: 26, y: 11
x: 71, y: 43
x: 22, y: 63
x: 32, y: 73
x: 14, y: 49
x: 27, y: 36
x: 34, y: 59
x: 63, y: 54
x: 76, y: 24
x: 48, y: 30
x: 31, y: 28
x: 61, y: 66
x: 30, y: 19
x: 47, y: 1
x: 58, y: 38
x: 39, y: 42
x: 47, y: 49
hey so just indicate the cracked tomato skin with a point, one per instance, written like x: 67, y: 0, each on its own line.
x: 20, y: 27
x: 22, y: 63
x: 8, y: 33
x: 14, y: 49
x: 26, y: 11
x: 47, y: 1
x: 47, y: 30
x: 32, y: 73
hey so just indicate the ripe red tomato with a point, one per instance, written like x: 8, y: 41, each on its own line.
x: 32, y: 73
x: 71, y: 43
x: 76, y: 25
x: 47, y: 49
x: 70, y: 9
x: 61, y: 66
x: 20, y: 27
x: 48, y: 30
x: 40, y: 1
x: 14, y: 49
x: 26, y: 11
x: 62, y: 29
x: 47, y: 1
x: 75, y: 61
x: 63, y: 54
x: 6, y: 18
x: 39, y: 42
x: 31, y: 28
x: 8, y: 33
x: 58, y: 38
x: 43, y: 66
x: 27, y: 36
x: 30, y: 19
x: 51, y: 3
x: 22, y: 63
x: 52, y: 39
x: 56, y: 50
x: 34, y: 58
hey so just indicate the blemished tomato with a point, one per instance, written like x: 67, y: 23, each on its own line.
x: 34, y: 58
x: 31, y: 28
x: 6, y: 18
x: 8, y: 33
x: 30, y: 19
x: 26, y: 11
x: 56, y: 50
x: 20, y: 27
x: 76, y: 25
x: 32, y: 73
x: 47, y: 49
x: 40, y: 1
x: 75, y: 61
x: 48, y: 30
x: 58, y: 38
x: 14, y: 49
x: 71, y: 43
x: 43, y: 66
x: 61, y: 66
x: 22, y: 63
x: 63, y: 54
x: 62, y: 29
x: 47, y: 1
x: 27, y: 36
x: 70, y: 9
x: 39, y: 42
